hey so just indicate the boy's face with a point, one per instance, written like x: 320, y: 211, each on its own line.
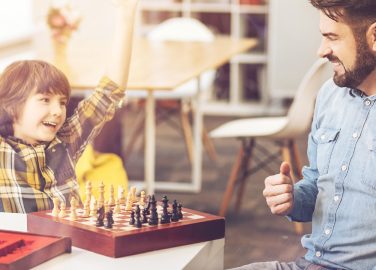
x: 41, y: 118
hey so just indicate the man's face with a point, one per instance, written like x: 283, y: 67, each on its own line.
x: 352, y: 59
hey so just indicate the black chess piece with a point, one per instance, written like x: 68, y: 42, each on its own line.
x: 144, y: 215
x: 166, y: 217
x: 109, y: 220
x: 180, y: 213
x: 138, y: 217
x: 148, y: 205
x: 153, y: 219
x: 132, y: 220
x: 100, y: 217
x: 175, y: 214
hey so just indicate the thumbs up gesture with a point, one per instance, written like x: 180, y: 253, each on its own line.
x: 278, y: 191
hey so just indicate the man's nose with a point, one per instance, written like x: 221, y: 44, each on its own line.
x: 323, y: 50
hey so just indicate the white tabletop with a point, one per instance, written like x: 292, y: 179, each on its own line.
x: 206, y: 255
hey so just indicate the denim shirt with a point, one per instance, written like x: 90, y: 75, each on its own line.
x: 338, y: 189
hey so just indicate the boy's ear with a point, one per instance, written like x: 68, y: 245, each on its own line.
x: 371, y: 37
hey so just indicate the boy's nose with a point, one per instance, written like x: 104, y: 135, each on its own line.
x: 56, y: 110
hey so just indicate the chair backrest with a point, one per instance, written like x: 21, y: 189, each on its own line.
x: 181, y: 29
x: 301, y: 110
x: 186, y: 29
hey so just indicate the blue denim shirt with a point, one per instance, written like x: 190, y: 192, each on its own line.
x: 338, y: 189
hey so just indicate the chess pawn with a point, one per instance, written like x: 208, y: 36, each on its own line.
x: 93, y: 207
x: 73, y: 213
x: 133, y: 194
x: 117, y: 207
x: 111, y: 200
x: 121, y: 194
x: 101, y: 195
x: 142, y: 199
x: 55, y: 210
x: 62, y: 212
x: 88, y: 191
x: 128, y: 206
x: 86, y: 212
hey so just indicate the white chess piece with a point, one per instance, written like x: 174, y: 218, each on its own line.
x: 62, y: 212
x: 73, y: 207
x: 55, y: 210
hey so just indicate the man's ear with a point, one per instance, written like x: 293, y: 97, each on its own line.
x: 371, y: 37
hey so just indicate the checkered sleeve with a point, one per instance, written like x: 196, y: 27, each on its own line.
x: 90, y: 116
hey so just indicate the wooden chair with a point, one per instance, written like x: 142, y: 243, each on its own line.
x: 281, y: 130
x: 180, y: 99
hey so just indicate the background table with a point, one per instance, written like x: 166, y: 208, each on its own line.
x: 154, y: 66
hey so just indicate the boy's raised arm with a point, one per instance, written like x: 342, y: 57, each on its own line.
x: 121, y: 48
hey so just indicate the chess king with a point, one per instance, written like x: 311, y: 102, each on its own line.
x: 39, y: 145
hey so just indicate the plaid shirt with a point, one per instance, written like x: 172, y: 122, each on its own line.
x: 31, y: 175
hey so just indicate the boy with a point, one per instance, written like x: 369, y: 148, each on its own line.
x: 38, y: 146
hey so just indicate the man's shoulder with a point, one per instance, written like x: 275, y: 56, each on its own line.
x: 330, y: 90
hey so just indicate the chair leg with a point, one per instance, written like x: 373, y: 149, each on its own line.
x: 231, y: 182
x: 209, y: 146
x: 243, y: 179
x: 287, y: 156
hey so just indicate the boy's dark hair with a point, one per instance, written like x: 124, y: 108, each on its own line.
x: 22, y: 78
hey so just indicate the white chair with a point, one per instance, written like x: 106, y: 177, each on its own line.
x: 281, y: 130
x: 178, y: 29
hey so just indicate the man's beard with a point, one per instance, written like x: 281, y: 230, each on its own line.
x: 365, y: 63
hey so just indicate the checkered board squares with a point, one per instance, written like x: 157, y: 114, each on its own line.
x: 124, y: 239
x: 121, y: 220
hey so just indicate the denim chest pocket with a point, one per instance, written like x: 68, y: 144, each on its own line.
x: 326, y: 139
x: 369, y: 172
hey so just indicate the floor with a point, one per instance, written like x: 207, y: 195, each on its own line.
x: 253, y: 234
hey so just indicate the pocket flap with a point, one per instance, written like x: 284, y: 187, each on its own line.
x: 325, y: 135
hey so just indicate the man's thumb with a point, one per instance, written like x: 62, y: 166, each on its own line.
x: 285, y: 169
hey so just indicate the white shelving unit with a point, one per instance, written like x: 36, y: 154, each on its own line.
x: 288, y: 42
x: 235, y: 104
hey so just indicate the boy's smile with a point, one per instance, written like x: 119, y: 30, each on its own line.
x: 41, y: 118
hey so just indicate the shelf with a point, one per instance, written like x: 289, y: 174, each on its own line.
x: 203, y: 7
x: 241, y: 109
x: 250, y: 58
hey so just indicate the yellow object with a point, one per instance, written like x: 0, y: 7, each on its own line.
x: 100, y: 167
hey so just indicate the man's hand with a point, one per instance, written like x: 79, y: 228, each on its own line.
x: 278, y: 191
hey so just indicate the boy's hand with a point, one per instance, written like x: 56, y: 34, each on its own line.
x: 278, y: 191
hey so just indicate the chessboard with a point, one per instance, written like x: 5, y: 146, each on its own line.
x: 123, y: 239
x: 20, y: 250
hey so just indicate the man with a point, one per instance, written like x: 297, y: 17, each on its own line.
x: 338, y: 189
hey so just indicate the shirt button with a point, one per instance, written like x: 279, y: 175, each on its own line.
x: 336, y: 198
x: 318, y: 254
x: 344, y: 168
x: 355, y: 135
x: 322, y: 137
x: 327, y: 231
x: 53, y: 150
x: 367, y: 102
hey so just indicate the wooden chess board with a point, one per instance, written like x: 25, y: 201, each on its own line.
x: 125, y: 239
x: 24, y: 250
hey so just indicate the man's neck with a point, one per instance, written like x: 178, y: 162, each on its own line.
x: 368, y: 86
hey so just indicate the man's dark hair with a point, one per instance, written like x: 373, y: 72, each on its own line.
x: 358, y: 14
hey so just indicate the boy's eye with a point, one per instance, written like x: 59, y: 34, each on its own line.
x: 63, y: 103
x: 44, y: 99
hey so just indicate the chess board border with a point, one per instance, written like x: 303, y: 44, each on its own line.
x: 29, y: 260
x: 120, y: 244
